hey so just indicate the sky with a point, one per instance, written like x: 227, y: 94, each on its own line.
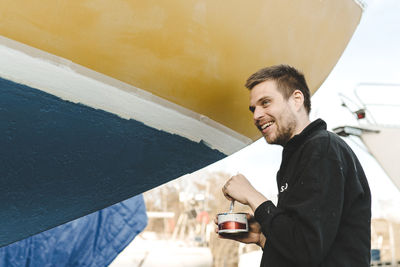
x: 372, y: 56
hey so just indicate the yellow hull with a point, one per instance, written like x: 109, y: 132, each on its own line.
x: 196, y: 54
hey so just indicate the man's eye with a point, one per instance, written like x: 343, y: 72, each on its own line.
x: 265, y: 102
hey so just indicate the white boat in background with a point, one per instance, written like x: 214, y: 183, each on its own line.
x: 377, y: 128
x: 385, y: 148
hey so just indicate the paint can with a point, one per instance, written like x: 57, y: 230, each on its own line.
x: 232, y: 223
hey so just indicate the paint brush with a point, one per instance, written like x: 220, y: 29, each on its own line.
x: 231, y: 207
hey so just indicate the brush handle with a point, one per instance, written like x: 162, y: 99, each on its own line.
x: 231, y: 207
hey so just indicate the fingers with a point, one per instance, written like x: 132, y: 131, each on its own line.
x: 228, y: 197
x: 225, y: 187
x: 225, y: 191
x: 216, y: 229
x: 249, y: 216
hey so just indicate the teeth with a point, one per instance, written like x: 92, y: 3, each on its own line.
x: 266, y: 125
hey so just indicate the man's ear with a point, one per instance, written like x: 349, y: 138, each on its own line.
x: 298, y: 98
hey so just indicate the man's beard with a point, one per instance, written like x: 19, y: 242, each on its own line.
x: 284, y: 134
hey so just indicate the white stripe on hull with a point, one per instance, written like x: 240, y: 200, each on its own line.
x: 75, y: 83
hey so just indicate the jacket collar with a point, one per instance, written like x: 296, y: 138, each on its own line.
x: 298, y: 139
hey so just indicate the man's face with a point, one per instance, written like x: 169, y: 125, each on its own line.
x: 273, y: 115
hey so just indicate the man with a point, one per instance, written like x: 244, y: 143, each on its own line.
x: 323, y: 213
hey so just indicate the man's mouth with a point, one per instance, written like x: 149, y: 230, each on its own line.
x: 266, y: 125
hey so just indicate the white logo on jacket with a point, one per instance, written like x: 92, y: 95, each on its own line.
x: 284, y: 187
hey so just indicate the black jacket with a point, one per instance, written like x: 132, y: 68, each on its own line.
x: 323, y: 214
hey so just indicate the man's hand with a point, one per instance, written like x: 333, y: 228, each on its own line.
x: 253, y: 236
x: 239, y: 188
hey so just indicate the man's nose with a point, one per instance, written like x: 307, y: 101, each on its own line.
x: 257, y: 115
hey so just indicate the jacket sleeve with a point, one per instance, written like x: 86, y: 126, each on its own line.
x: 303, y: 228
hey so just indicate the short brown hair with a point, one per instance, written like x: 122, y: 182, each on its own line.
x: 287, y: 78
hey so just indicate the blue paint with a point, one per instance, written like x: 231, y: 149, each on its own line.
x: 60, y: 160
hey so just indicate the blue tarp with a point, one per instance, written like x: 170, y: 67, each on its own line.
x: 93, y: 240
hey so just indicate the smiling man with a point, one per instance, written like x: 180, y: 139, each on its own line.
x: 323, y: 213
